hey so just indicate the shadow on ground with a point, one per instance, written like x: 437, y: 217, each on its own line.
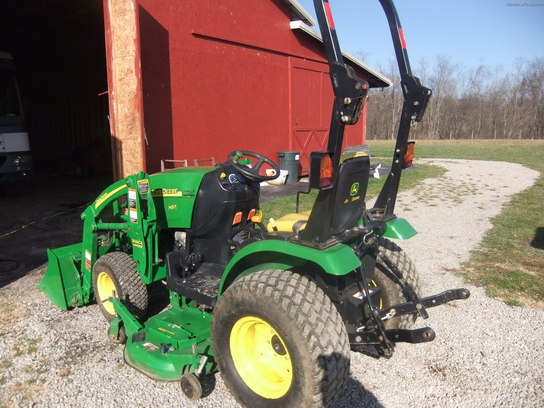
x: 538, y: 240
x: 355, y: 395
x: 41, y: 215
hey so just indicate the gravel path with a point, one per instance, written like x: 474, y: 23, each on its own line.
x: 486, y: 354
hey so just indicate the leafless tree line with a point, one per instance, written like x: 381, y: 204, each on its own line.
x: 477, y: 103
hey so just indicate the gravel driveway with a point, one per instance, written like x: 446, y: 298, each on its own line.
x: 486, y: 354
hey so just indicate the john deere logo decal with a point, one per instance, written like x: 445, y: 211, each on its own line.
x: 354, y: 189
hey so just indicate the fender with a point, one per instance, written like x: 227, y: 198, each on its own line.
x: 399, y: 228
x: 337, y: 260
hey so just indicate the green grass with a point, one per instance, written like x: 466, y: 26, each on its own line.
x: 410, y: 179
x: 510, y: 261
x: 28, y: 346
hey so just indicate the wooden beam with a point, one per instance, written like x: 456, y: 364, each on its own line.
x: 124, y: 86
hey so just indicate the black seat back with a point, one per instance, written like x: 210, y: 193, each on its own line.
x: 216, y: 204
x: 341, y: 207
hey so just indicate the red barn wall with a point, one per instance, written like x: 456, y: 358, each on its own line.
x: 224, y: 75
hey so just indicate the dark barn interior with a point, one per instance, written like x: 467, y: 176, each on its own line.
x: 59, y: 51
x: 58, y: 47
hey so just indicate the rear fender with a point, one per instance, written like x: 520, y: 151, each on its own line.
x: 337, y: 260
x: 399, y: 228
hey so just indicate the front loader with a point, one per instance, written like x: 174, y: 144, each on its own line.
x: 275, y: 310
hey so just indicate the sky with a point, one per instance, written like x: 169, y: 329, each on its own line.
x: 494, y: 33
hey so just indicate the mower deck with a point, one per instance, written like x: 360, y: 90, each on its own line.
x: 169, y: 344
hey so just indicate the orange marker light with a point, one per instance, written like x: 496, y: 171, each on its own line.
x: 237, y: 218
x: 325, y: 171
x: 409, y: 155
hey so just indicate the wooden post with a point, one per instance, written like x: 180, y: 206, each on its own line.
x: 124, y: 87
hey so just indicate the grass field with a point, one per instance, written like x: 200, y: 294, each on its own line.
x: 282, y: 206
x: 510, y: 262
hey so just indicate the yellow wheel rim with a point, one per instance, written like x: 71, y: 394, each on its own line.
x: 261, y: 358
x: 105, y: 287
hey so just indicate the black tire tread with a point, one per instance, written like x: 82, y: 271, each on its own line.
x: 133, y: 291
x: 409, y: 272
x: 320, y: 323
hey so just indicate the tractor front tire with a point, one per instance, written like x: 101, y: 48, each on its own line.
x: 280, y: 342
x: 392, y: 292
x: 115, y: 273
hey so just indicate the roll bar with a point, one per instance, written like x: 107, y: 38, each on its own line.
x: 350, y: 91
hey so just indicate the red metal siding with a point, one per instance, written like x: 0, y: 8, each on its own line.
x: 220, y: 76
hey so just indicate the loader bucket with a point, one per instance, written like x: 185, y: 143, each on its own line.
x: 61, y: 282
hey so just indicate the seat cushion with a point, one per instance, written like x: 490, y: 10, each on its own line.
x: 286, y: 222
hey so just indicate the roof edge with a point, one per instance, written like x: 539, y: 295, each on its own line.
x: 301, y: 12
x: 381, y: 80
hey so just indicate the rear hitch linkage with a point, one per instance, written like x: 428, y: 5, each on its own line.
x: 375, y: 334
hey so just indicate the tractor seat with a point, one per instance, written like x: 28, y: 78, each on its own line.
x: 289, y: 222
x: 297, y: 221
x: 335, y: 210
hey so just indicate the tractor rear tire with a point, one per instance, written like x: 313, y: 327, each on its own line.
x: 279, y: 342
x: 391, y: 292
x: 116, y: 272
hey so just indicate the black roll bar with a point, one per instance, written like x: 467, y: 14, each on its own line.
x: 348, y: 88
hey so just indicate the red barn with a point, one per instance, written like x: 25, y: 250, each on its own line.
x: 194, y: 79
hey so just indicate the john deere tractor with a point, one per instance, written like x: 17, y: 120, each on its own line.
x: 277, y: 310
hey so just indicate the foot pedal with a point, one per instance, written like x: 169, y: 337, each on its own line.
x: 422, y: 335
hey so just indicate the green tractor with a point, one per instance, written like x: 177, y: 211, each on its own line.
x: 276, y: 310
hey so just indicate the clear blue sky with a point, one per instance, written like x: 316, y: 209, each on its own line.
x: 494, y: 33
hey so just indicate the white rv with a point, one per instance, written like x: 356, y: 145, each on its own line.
x: 15, y: 159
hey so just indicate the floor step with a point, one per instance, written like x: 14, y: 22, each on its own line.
x: 201, y: 286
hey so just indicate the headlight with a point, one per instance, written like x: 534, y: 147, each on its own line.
x: 22, y: 159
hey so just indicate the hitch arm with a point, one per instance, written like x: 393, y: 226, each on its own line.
x: 385, y: 339
x: 427, y: 302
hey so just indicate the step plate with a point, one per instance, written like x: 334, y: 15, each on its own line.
x: 201, y: 286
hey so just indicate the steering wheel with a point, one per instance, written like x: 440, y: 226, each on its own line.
x: 252, y: 173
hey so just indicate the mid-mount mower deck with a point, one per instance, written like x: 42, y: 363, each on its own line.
x: 276, y: 312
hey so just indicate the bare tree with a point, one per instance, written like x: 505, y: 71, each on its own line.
x: 467, y: 103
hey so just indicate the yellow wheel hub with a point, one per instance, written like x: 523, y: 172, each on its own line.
x: 105, y: 287
x: 261, y: 358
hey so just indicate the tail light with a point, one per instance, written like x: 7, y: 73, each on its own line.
x: 320, y: 170
x: 409, y: 155
x: 325, y: 171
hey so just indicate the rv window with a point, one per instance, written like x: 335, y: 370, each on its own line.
x: 10, y: 102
